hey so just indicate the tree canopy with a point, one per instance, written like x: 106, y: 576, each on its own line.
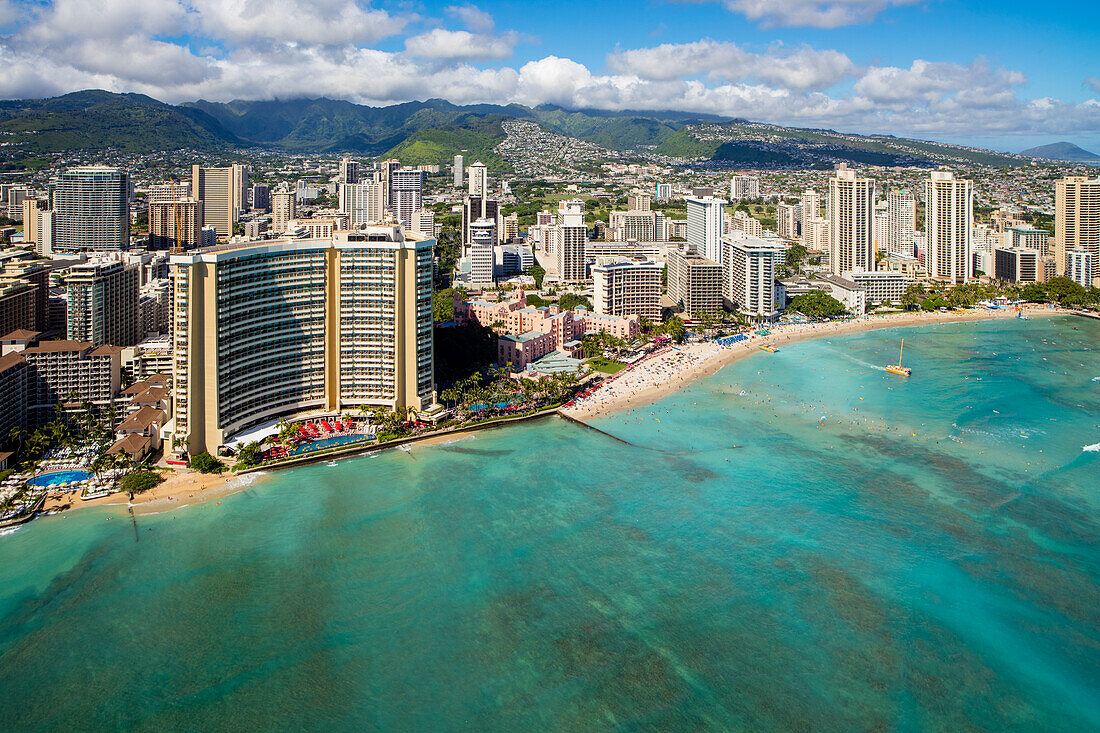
x: 817, y: 304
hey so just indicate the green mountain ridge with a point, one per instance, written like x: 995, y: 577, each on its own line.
x: 434, y: 130
x: 94, y: 119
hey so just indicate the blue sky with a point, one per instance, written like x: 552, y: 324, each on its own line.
x: 1019, y: 75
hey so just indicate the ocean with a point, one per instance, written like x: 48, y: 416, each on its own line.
x: 801, y: 541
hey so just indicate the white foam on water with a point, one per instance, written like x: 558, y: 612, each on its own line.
x: 10, y: 530
x: 1094, y: 448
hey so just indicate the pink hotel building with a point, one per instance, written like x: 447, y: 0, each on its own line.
x: 527, y: 333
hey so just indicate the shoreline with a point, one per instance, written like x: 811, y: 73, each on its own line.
x: 183, y: 486
x: 652, y: 379
x: 657, y: 377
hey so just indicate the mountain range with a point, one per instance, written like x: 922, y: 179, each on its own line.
x: 433, y: 131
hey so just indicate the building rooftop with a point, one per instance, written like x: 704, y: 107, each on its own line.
x: 59, y: 345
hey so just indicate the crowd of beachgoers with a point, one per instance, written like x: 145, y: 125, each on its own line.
x: 669, y: 369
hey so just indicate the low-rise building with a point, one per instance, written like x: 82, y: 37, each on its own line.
x: 882, y: 286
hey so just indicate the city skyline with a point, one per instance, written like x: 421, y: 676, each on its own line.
x: 915, y: 69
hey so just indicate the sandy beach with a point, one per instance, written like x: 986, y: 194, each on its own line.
x: 667, y: 371
x: 179, y: 488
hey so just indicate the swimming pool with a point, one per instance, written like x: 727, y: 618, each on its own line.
x: 333, y: 442
x: 59, y: 477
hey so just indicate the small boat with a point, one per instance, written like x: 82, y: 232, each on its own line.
x: 769, y: 348
x: 898, y: 368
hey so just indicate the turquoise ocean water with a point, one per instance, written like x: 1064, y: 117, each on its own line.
x: 799, y: 542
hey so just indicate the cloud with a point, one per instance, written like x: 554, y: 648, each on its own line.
x: 811, y: 13
x: 1093, y: 83
x: 472, y: 17
x: 444, y: 44
x: 242, y: 49
x: 801, y: 69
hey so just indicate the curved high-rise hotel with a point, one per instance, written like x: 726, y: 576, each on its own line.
x: 273, y: 328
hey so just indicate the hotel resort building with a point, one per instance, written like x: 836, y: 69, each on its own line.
x: 264, y: 330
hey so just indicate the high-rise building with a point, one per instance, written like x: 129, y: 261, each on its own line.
x: 269, y: 329
x: 704, y: 226
x: 91, y: 207
x: 1081, y: 267
x: 623, y: 286
x: 102, y: 303
x: 742, y: 222
x: 349, y: 172
x: 639, y: 201
x: 1028, y: 237
x: 483, y: 237
x: 1076, y: 220
x: 33, y: 230
x: 744, y: 187
x: 637, y: 225
x: 749, y: 265
x: 474, y: 208
x: 509, y: 228
x: 223, y: 193
x: 851, y: 207
x: 1016, y: 265
x: 664, y: 191
x: 423, y: 221
x: 284, y: 207
x: 948, y: 220
x: 787, y: 219
x: 811, y: 209
x: 175, y: 224
x: 406, y: 193
x: 901, y: 222
x: 458, y: 171
x: 694, y: 282
x: 171, y: 191
x: 363, y: 203
x: 479, y: 179
x: 260, y: 197
x: 571, y: 235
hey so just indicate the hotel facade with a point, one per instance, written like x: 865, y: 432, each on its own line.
x: 269, y: 329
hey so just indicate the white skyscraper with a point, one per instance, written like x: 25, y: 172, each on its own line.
x: 749, y: 274
x: 458, y: 170
x: 811, y: 209
x: 851, y: 207
x: 483, y: 236
x: 744, y: 187
x: 479, y: 179
x: 362, y: 202
x: 704, y: 226
x: 571, y: 235
x: 901, y: 222
x: 948, y: 220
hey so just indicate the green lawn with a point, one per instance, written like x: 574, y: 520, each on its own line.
x: 607, y: 366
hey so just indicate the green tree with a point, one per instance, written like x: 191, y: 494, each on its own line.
x: 206, y: 463
x: 538, y: 272
x: 569, y: 301
x: 137, y: 482
x: 817, y: 304
x: 674, y: 327
x: 249, y: 455
x: 795, y: 254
